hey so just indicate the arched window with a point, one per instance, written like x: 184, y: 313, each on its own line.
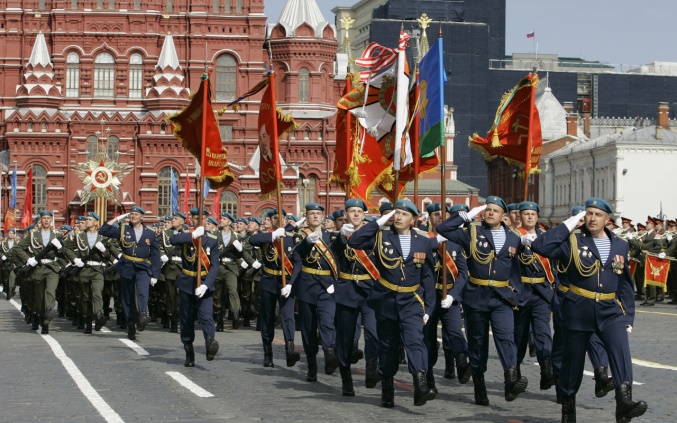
x: 216, y: 6
x: 135, y: 76
x: 306, y: 188
x: 238, y: 7
x: 226, y: 71
x: 170, y: 6
x: 92, y: 147
x: 73, y: 75
x: 229, y: 202
x: 164, y: 203
x: 304, y: 85
x: 113, y: 146
x: 104, y: 75
x: 226, y: 6
x: 39, y: 189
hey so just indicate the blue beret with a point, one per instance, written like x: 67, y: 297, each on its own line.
x: 529, y: 205
x: 513, y: 206
x: 355, y: 202
x: 12, y: 230
x: 598, y: 203
x: 329, y: 217
x: 576, y: 210
x: 62, y: 228
x: 179, y: 214
x: 94, y: 215
x: 31, y: 226
x: 158, y: 224
x: 339, y: 214
x: 292, y: 217
x: 228, y: 215
x: 314, y: 206
x: 212, y: 221
x: 242, y: 219
x: 368, y: 219
x: 168, y: 218
x: 254, y: 219
x: 137, y: 209
x: 196, y: 211
x: 385, y: 207
x: 274, y: 212
x: 81, y: 218
x: 45, y: 213
x: 431, y: 208
x: 498, y: 201
x: 407, y: 205
x: 459, y: 207
x: 185, y: 227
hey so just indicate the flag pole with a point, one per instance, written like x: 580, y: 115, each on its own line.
x: 201, y: 179
x: 278, y: 170
x: 349, y: 145
x: 415, y: 142
x: 443, y: 196
x: 527, y: 162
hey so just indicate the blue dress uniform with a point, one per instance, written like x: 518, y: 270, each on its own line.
x: 403, y: 294
x: 317, y: 308
x: 270, y: 287
x: 352, y: 289
x: 493, y: 291
x: 189, y: 303
x: 600, y: 300
x: 139, y: 262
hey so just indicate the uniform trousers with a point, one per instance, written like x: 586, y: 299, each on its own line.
x: 347, y: 322
x: 226, y: 283
x: 267, y: 322
x: 452, y: 335
x: 91, y: 287
x: 500, y: 315
x: 535, y: 314
x: 320, y: 315
x: 407, y: 330
x: 44, y: 294
x: 134, y: 294
x: 189, y: 306
x: 171, y: 297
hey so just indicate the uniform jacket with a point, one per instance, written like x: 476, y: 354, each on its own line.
x: 310, y: 286
x: 350, y: 293
x: 531, y: 267
x: 272, y: 262
x: 147, y: 248
x: 254, y: 252
x: 31, y: 245
x: 78, y: 246
x: 455, y: 287
x: 171, y: 269
x: 188, y: 252
x: 228, y: 254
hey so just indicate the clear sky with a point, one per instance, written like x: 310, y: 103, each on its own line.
x: 611, y: 31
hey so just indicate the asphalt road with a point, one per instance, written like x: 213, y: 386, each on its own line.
x: 67, y: 376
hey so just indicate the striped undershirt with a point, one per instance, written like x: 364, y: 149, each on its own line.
x: 499, y: 238
x: 604, y: 247
x: 405, y: 242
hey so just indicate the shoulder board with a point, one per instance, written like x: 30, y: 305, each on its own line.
x: 384, y: 228
x: 421, y: 232
x: 476, y: 223
x: 211, y: 235
x: 576, y: 231
x: 516, y: 232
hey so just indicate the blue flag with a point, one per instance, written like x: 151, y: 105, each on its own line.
x: 205, y: 191
x: 174, y: 194
x: 12, y: 202
x: 432, y: 78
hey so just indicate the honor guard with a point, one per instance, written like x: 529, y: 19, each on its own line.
x: 355, y: 282
x: 171, y: 268
x: 599, y: 300
x: 139, y: 265
x: 403, y: 296
x: 8, y: 275
x: 195, y: 300
x: 329, y: 223
x: 514, y: 215
x: 339, y: 219
x: 87, y: 252
x: 274, y: 260
x: 447, y: 308
x: 315, y: 288
x: 494, y: 289
x: 39, y: 249
x: 248, y: 281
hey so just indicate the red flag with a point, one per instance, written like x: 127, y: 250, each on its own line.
x: 272, y: 125
x: 344, y: 168
x: 27, y: 215
x: 217, y: 204
x: 203, y: 142
x: 516, y: 132
x: 10, y: 219
x: 656, y: 271
x: 186, y: 193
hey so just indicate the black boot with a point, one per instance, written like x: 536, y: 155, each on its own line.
x: 45, y: 331
x: 403, y: 354
x: 258, y: 325
x: 603, y: 383
x: 81, y: 321
x: 237, y: 320
x: 449, y: 371
x: 293, y: 356
x: 268, y: 355
x: 430, y: 380
x: 88, y: 325
x: 190, y: 355
x: 246, y: 322
x: 558, y: 392
x: 547, y: 375
x: 165, y: 322
x: 213, y: 348
x: 144, y: 319
x: 387, y: 392
x: 311, y: 376
x: 626, y: 408
x: 422, y: 392
x: 532, y: 345
x: 514, y: 384
x: 463, y: 368
x: 36, y: 323
x: 219, y: 324
x: 371, y: 376
x: 346, y: 383
x: 131, y: 331
x: 357, y: 352
x: 174, y: 327
x: 480, y: 389
x: 330, y: 361
x: 101, y: 320
x: 569, y: 409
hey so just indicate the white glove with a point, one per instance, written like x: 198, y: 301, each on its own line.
x: 630, y: 235
x: 32, y: 262
x: 347, y: 229
x: 200, y: 290
x: 668, y: 237
x: 123, y: 217
x: 153, y: 281
x: 115, y: 261
x: 164, y: 258
x: 78, y: 262
x: 572, y: 222
x: 528, y: 239
x: 385, y: 218
x: 628, y: 328
x: 244, y: 264
x: 299, y: 223
x: 425, y: 318
x: 314, y: 237
x: 4, y: 257
x: 238, y: 245
x: 56, y: 243
x: 661, y: 255
x: 198, y: 232
x: 286, y: 291
x: 440, y: 239
x: 330, y: 290
x: 474, y: 212
x: 99, y: 246
x: 446, y: 302
x: 278, y: 233
x: 256, y: 264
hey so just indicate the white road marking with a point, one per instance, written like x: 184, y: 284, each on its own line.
x: 134, y: 346
x: 190, y: 385
x: 652, y: 365
x: 15, y: 304
x: 587, y: 373
x: 105, y: 329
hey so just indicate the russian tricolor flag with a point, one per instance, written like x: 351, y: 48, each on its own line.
x: 532, y: 34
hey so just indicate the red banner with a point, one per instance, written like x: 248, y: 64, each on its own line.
x: 656, y: 271
x: 345, y: 142
x: 632, y: 266
x: 217, y: 204
x: 516, y: 132
x: 10, y: 220
x: 27, y: 215
x: 198, y: 131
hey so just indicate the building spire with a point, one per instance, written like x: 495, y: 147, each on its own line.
x: 297, y: 12
x: 168, y: 56
x: 40, y: 53
x: 424, y: 23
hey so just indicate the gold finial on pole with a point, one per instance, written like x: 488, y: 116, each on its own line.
x: 424, y: 22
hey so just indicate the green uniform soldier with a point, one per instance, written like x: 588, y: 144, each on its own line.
x: 171, y: 268
x: 249, y: 280
x: 8, y: 275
